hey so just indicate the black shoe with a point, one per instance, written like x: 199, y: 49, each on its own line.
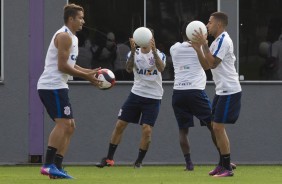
x: 233, y: 166
x: 105, y: 162
x: 189, y: 166
x: 137, y: 165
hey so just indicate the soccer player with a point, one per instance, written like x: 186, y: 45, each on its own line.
x: 53, y: 88
x: 189, y: 98
x: 143, y: 103
x: 227, y: 100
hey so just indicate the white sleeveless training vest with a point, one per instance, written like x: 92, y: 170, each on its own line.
x: 52, y: 78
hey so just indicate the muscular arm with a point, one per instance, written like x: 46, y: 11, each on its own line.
x: 212, y: 61
x: 63, y: 43
x: 202, y: 40
x: 198, y: 48
x: 130, y: 62
x: 85, y: 70
x: 158, y: 62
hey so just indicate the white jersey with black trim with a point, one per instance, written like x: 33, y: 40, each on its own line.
x: 224, y: 75
x: 147, y: 78
x: 188, y: 72
x: 52, y: 78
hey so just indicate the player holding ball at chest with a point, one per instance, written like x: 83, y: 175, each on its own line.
x: 143, y: 103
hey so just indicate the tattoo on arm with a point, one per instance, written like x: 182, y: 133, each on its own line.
x: 158, y: 62
x: 216, y: 62
x: 130, y: 62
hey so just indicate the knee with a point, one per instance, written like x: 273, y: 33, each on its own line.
x: 183, y: 132
x: 183, y: 135
x: 120, y: 126
x: 147, y: 131
x: 70, y: 127
x: 218, y: 128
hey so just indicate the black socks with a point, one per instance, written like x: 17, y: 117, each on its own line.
x: 50, y: 155
x: 111, y: 151
x: 141, y: 155
x: 58, y: 161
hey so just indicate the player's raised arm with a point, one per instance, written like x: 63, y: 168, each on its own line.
x: 130, y: 61
x: 159, y: 63
x: 200, y: 38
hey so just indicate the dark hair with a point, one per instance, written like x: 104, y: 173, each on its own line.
x: 70, y: 10
x: 183, y: 30
x: 151, y: 31
x: 220, y: 16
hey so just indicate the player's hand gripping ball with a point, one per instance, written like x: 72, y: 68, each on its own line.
x: 107, y: 77
x: 142, y: 36
x: 195, y: 25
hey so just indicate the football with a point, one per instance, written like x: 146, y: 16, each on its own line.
x: 107, y: 77
x: 142, y: 36
x: 195, y: 25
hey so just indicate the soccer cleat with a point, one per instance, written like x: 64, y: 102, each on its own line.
x: 233, y: 166
x: 137, y: 165
x: 219, y: 168
x: 52, y: 171
x: 224, y: 173
x: 105, y: 162
x: 216, y: 170
x: 65, y: 172
x: 189, y: 166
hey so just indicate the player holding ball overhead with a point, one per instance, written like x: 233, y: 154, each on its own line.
x: 143, y: 103
x: 226, y: 104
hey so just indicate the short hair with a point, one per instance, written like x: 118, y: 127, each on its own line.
x: 71, y: 10
x: 152, y: 31
x: 220, y: 16
x: 183, y: 30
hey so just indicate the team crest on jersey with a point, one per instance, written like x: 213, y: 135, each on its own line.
x: 151, y: 61
x: 67, y: 110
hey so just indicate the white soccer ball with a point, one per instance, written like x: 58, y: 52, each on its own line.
x: 142, y: 36
x: 195, y: 25
x: 107, y: 77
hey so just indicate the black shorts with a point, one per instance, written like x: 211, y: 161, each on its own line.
x: 226, y: 108
x: 189, y: 103
x: 137, y: 109
x: 56, y: 103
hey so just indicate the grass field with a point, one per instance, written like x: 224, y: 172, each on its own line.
x: 145, y: 175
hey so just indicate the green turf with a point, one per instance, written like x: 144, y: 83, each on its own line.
x: 146, y: 175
